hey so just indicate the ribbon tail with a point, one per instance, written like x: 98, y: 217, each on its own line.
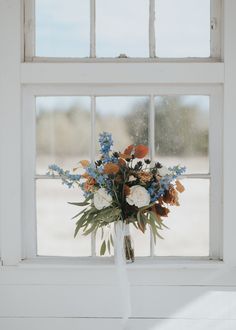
x: 120, y: 262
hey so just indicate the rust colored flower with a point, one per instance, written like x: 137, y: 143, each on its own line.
x: 89, y: 184
x: 126, y: 190
x: 84, y: 163
x: 179, y: 186
x: 140, y: 151
x: 128, y: 151
x: 160, y: 210
x: 121, y: 162
x: 171, y: 196
x: 111, y: 168
x: 144, y: 176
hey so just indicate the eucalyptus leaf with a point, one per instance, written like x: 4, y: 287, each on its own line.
x: 103, y: 248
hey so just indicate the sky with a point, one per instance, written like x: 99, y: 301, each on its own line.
x: 182, y: 28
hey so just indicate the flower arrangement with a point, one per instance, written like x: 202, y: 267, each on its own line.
x: 123, y: 186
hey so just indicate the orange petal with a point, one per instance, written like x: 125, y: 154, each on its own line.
x: 129, y: 150
x: 140, y: 151
x: 84, y: 163
x: 111, y: 168
x: 122, y: 162
x: 179, y: 186
x: 126, y: 190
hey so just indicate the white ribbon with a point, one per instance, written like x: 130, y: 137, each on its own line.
x: 121, y: 230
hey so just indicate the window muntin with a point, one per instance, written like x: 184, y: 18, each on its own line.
x: 121, y: 108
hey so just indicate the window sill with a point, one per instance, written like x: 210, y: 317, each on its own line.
x: 108, y: 262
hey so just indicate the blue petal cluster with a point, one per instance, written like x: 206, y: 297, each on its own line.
x: 67, y: 178
x: 177, y: 171
x: 155, y: 191
x: 106, y: 142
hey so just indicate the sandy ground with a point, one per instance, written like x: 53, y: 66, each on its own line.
x: 189, y: 224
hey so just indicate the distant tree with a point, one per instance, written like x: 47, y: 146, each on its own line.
x: 179, y: 128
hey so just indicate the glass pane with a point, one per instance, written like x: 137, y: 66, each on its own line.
x: 55, y: 229
x: 125, y: 117
x: 122, y: 28
x: 189, y: 224
x: 183, y: 28
x: 182, y: 131
x: 62, y: 28
x: 63, y: 131
x: 141, y: 242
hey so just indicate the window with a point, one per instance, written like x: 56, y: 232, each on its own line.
x: 122, y: 29
x: 174, y: 107
x: 181, y: 124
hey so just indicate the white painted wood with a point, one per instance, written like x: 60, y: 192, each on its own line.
x: 122, y: 73
x: 10, y: 131
x: 217, y: 29
x: 93, y: 149
x: 216, y: 172
x: 114, y: 324
x: 125, y: 89
x: 29, y: 230
x: 187, y: 302
x: 92, y: 28
x: 29, y: 29
x: 152, y: 39
x: 99, y: 275
x: 229, y: 131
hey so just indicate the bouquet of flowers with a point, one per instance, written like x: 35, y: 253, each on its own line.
x: 122, y: 186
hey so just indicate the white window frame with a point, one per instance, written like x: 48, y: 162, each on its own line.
x: 215, y: 154
x: 216, y: 49
x: 65, y: 76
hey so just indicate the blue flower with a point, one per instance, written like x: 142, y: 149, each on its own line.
x: 106, y: 142
x: 67, y: 178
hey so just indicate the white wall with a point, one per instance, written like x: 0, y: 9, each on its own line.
x: 164, y: 297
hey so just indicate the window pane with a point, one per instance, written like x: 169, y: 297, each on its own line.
x: 125, y: 117
x: 63, y: 131
x: 189, y: 224
x: 122, y: 28
x: 183, y: 28
x: 181, y: 131
x: 62, y: 28
x: 55, y: 229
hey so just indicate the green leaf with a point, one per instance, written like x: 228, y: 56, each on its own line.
x: 109, y: 246
x: 79, y: 203
x: 103, y: 248
x: 75, y: 216
x: 111, y: 238
x: 91, y: 229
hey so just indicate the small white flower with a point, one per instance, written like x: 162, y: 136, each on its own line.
x: 102, y: 199
x: 138, y: 196
x: 163, y: 171
x: 132, y: 178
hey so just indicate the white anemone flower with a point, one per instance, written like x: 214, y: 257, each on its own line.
x: 102, y: 199
x: 138, y: 196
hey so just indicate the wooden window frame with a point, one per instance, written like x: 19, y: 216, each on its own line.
x: 216, y: 38
x: 65, y: 76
